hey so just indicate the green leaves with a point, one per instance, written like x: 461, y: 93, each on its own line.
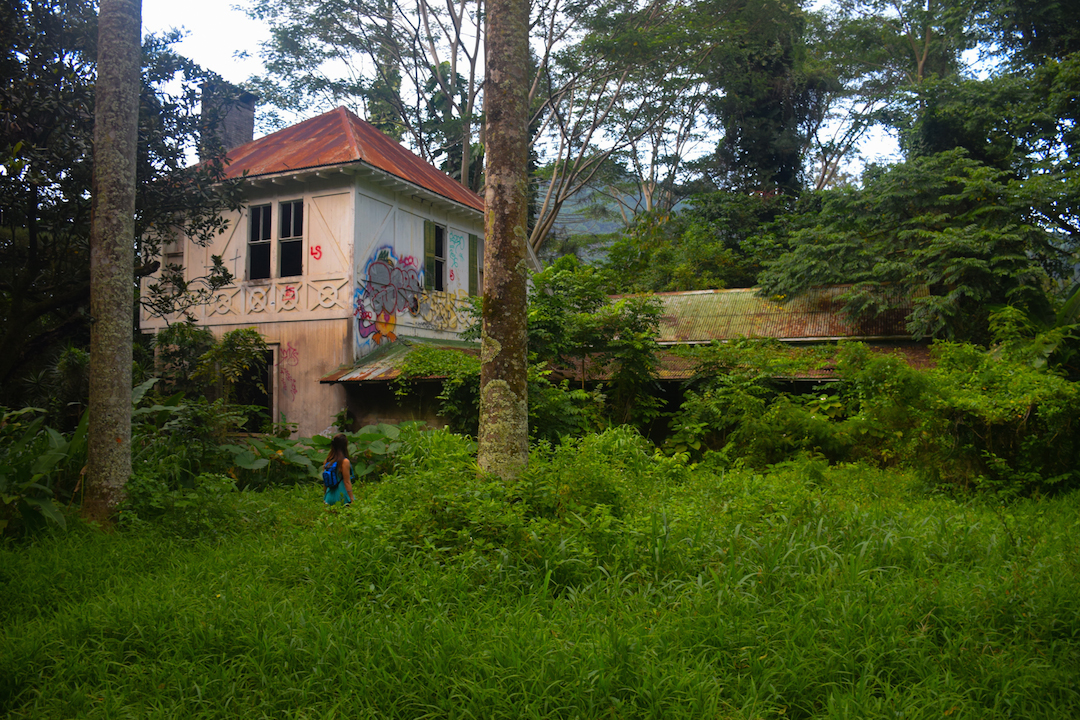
x: 241, y: 353
x: 943, y: 229
x: 34, y: 459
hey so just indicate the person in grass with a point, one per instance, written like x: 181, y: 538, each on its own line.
x: 339, y: 455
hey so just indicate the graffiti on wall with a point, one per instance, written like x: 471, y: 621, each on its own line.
x: 444, y: 311
x: 288, y: 357
x: 389, y: 285
x: 457, y: 255
x: 391, y: 297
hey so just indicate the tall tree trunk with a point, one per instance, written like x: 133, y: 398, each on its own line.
x: 112, y: 234
x: 504, y: 416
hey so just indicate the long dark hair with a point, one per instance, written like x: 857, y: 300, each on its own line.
x: 339, y: 449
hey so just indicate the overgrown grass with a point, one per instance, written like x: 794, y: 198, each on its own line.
x: 607, y: 583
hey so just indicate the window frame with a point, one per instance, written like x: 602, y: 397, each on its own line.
x: 291, y: 246
x: 260, y: 222
x: 434, y: 262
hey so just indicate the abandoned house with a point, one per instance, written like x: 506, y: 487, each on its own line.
x: 348, y: 242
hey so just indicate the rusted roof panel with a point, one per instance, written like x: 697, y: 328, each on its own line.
x: 706, y: 315
x: 339, y: 137
x: 677, y: 367
x: 385, y: 362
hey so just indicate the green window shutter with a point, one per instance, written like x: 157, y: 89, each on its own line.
x: 474, y: 271
x: 429, y: 255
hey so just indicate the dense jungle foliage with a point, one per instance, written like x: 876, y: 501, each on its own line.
x: 978, y: 420
x: 609, y: 581
x: 887, y: 542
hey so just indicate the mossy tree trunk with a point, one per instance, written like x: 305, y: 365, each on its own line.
x: 112, y: 233
x: 504, y: 417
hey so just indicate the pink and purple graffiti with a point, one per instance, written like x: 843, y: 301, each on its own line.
x: 289, y: 356
x: 392, y: 285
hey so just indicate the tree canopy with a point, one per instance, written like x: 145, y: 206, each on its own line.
x: 48, y: 52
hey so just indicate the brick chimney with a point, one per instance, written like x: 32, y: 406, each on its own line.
x: 228, y: 115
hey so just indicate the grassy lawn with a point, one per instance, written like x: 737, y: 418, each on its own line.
x: 607, y: 584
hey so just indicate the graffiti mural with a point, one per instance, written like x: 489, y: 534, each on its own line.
x: 457, y: 256
x: 391, y: 297
x: 390, y: 285
x: 288, y: 357
x: 444, y: 311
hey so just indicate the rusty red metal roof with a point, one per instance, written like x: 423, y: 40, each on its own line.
x: 817, y: 315
x: 338, y: 138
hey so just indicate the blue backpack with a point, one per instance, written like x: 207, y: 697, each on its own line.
x: 330, y: 476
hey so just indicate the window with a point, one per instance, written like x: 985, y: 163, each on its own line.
x: 259, y: 242
x: 172, y: 253
x: 172, y: 263
x: 474, y: 265
x: 289, y: 258
x: 434, y: 256
x: 291, y: 239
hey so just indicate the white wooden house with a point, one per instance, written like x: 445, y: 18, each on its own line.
x: 348, y: 242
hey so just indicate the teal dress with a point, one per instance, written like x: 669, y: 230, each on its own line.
x: 336, y: 494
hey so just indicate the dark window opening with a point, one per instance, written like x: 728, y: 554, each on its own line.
x: 434, y: 256
x: 292, y: 258
x: 259, y: 261
x: 474, y: 265
x: 259, y: 242
x: 440, y: 257
x: 255, y: 390
x: 292, y: 219
x: 291, y: 261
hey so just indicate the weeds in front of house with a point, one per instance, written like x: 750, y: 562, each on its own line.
x: 608, y: 582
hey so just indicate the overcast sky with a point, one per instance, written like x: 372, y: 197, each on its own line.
x: 215, y: 32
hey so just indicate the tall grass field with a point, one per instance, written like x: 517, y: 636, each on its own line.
x: 609, y: 582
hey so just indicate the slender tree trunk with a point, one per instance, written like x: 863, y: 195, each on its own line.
x: 504, y: 416
x: 112, y: 234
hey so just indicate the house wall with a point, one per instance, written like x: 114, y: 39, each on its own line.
x: 362, y: 284
x: 306, y: 318
x: 303, y: 353
x: 389, y: 298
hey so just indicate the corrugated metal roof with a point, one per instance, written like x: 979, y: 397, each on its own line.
x: 677, y: 367
x: 681, y: 366
x: 385, y: 362
x: 339, y: 137
x: 816, y: 315
x: 702, y: 316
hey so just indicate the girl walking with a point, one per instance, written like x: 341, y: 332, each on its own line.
x: 338, y: 461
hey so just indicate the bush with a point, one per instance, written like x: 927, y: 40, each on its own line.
x: 1000, y: 425
x: 201, y: 508
x: 37, y: 466
x: 974, y: 421
x: 177, y: 439
x: 561, y: 523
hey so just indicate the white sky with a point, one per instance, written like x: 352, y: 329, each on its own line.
x: 215, y: 31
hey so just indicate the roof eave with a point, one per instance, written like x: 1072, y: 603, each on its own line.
x: 359, y: 168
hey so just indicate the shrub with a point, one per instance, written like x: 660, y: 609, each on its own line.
x: 178, y: 349
x: 178, y: 439
x: 37, y: 464
x: 203, y: 507
x: 1000, y: 425
x: 977, y: 420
